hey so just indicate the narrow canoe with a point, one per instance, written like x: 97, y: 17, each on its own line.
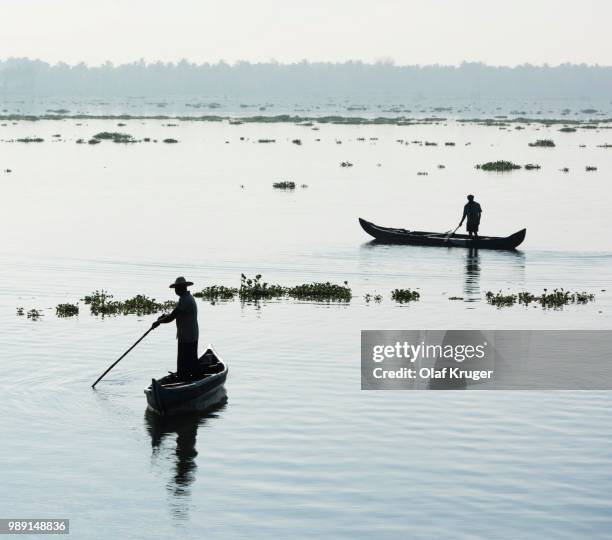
x: 421, y: 238
x: 169, y: 395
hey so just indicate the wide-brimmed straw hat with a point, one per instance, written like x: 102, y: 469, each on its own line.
x: 181, y: 281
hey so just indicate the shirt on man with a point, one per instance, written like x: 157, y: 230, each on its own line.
x: 187, y: 330
x: 472, y: 211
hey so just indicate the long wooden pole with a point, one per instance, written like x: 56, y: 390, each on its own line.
x: 121, y: 358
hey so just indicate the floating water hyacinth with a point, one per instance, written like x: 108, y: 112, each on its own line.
x: 214, y: 293
x: 373, y: 298
x: 321, y: 292
x: 255, y: 289
x: 66, y: 310
x: 546, y: 143
x: 555, y: 299
x: 498, y: 166
x: 405, y: 295
x: 283, y: 185
x: 114, y: 136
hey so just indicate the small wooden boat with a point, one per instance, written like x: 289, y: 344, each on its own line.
x: 421, y: 238
x: 170, y: 395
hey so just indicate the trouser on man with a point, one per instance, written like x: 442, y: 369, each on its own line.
x: 187, y: 363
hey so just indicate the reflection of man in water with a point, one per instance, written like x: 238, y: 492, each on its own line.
x: 472, y: 211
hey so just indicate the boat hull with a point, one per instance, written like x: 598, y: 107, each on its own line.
x: 421, y: 238
x: 168, y: 395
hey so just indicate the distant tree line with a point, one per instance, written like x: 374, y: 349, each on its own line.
x: 25, y: 77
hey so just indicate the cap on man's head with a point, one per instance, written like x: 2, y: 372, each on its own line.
x: 180, y: 281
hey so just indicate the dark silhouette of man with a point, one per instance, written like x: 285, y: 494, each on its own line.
x: 472, y: 211
x: 187, y: 332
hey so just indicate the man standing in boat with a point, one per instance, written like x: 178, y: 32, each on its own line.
x: 187, y: 332
x: 472, y: 211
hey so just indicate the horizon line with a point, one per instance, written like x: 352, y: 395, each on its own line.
x: 274, y: 62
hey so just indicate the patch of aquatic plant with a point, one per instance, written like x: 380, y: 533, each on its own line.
x: 321, y: 292
x: 449, y: 144
x: 346, y: 164
x: 548, y: 300
x: 547, y: 143
x: 94, y: 141
x: 254, y: 289
x: 567, y: 130
x: 34, y: 314
x: 422, y: 173
x: 405, y: 295
x: 499, y: 166
x: 373, y: 298
x: 66, y: 310
x: 170, y: 141
x: 297, y: 141
x: 501, y: 300
x: 532, y: 166
x: 264, y: 141
x: 455, y: 297
x: 31, y: 140
x: 590, y: 168
x: 605, y: 145
x: 20, y: 312
x: 213, y: 293
x: 102, y: 303
x: 283, y: 185
x: 115, y: 136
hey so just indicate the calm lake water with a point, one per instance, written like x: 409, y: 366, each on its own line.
x: 298, y: 450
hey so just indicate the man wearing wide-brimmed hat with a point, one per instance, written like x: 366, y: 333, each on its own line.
x: 187, y: 332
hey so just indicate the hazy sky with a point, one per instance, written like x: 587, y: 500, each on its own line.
x: 497, y: 32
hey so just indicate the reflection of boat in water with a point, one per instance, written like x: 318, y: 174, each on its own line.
x: 171, y: 395
x: 422, y: 238
x: 185, y: 427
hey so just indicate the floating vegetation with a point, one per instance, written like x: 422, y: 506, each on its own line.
x: 20, y: 312
x: 34, y: 314
x: 346, y: 164
x: 31, y: 140
x: 567, y: 130
x: 449, y: 144
x: 297, y: 141
x: 373, y: 298
x: 66, y: 310
x: 102, y: 303
x: 553, y: 300
x: 427, y: 143
x: 214, y: 293
x: 405, y: 295
x: 255, y: 289
x: 455, y: 297
x: 94, y: 141
x: 264, y: 141
x: 590, y: 168
x: 441, y: 166
x: 304, y: 186
x: 532, y: 166
x: 605, y: 145
x: 547, y: 143
x: 321, y: 292
x: 283, y: 185
x: 115, y: 136
x: 422, y: 173
x: 170, y: 141
x: 564, y: 169
x: 499, y: 166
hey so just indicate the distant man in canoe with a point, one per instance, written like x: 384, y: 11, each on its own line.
x: 472, y: 211
x: 187, y: 332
